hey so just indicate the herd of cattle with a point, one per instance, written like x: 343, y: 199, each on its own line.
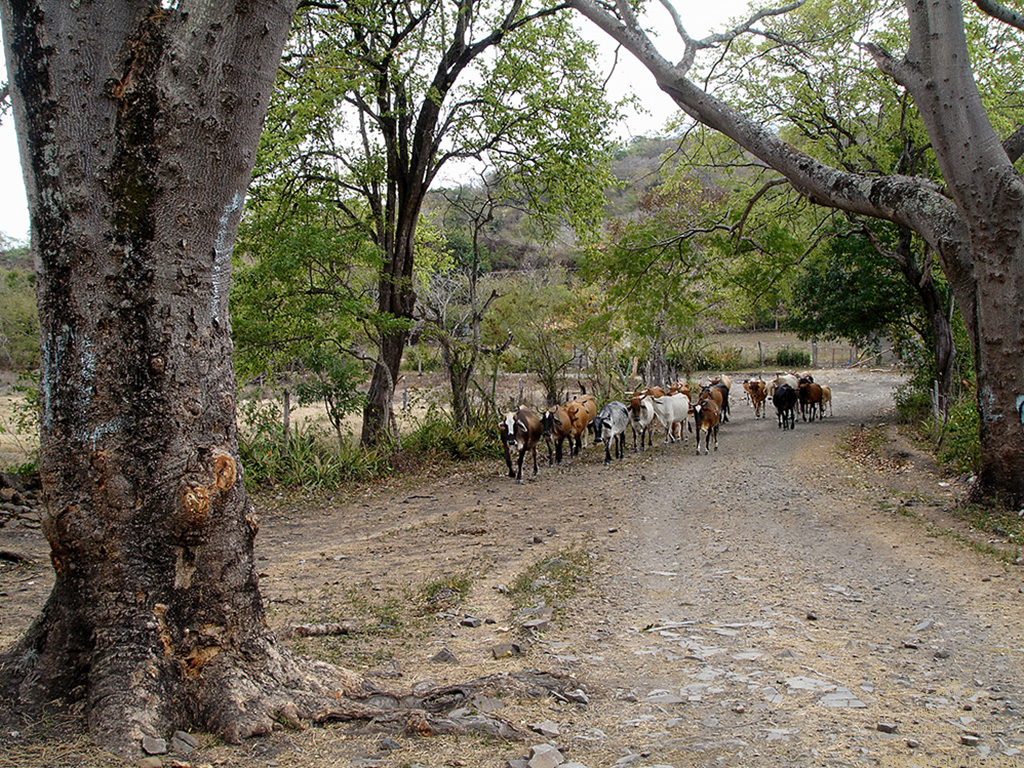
x: 673, y: 407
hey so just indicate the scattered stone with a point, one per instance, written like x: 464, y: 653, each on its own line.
x: 886, y: 727
x: 970, y: 739
x: 537, y: 625
x: 739, y: 709
x: 804, y: 683
x: 546, y: 728
x: 663, y: 697
x: 153, y: 746
x: 912, y: 743
x: 577, y: 696
x: 942, y: 653
x: 912, y: 644
x: 183, y: 743
x: 545, y: 756
x: 505, y: 650
x: 517, y: 763
x: 471, y: 621
x: 812, y: 616
x: 924, y: 625
x: 149, y: 762
x: 390, y: 745
x: 842, y: 698
x: 444, y: 656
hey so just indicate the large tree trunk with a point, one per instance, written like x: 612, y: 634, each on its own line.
x: 138, y: 127
x: 975, y: 230
x: 990, y: 196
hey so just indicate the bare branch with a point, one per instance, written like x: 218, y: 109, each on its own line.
x: 1014, y: 144
x: 1001, y: 12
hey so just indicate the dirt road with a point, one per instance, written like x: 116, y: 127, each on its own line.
x: 774, y: 604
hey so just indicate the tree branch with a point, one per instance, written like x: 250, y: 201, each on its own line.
x: 1001, y: 12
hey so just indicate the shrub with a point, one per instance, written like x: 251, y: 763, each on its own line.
x: 438, y: 437
x: 788, y: 357
x: 959, y: 444
x: 310, y: 457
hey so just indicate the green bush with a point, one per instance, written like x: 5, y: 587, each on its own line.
x: 19, y: 321
x: 960, y: 445
x: 436, y: 436
x: 787, y: 357
x: 310, y: 458
x: 913, y: 403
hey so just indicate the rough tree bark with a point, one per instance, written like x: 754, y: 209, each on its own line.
x: 138, y: 125
x: 973, y: 223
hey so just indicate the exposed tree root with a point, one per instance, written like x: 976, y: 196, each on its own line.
x: 252, y: 691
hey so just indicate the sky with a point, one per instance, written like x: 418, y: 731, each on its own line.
x: 629, y: 77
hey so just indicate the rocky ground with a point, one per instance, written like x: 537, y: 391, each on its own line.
x: 805, y: 598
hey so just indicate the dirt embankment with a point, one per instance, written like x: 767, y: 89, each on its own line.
x: 774, y: 604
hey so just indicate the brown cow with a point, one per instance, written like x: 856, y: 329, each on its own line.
x: 757, y: 389
x: 706, y: 417
x: 520, y: 431
x: 557, y: 427
x: 809, y: 394
x: 581, y: 409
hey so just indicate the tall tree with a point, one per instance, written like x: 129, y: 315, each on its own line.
x: 137, y: 135
x: 380, y: 95
x: 138, y: 132
x: 973, y: 222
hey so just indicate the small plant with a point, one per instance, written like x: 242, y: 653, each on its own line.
x: 445, y: 593
x: 554, y: 580
x: 438, y: 437
x: 309, y: 458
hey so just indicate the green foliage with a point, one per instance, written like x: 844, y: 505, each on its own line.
x: 960, y: 446
x: 300, y: 286
x: 307, y: 459
x: 436, y: 436
x: 546, y: 314
x: 421, y: 357
x: 791, y: 358
x: 850, y: 292
x: 955, y: 438
x: 19, y: 320
x: 332, y: 380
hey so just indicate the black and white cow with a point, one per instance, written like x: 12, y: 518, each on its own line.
x: 610, y: 425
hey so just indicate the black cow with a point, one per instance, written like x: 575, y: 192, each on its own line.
x: 785, y: 405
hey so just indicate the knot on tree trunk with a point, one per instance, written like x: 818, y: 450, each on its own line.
x: 216, y: 473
